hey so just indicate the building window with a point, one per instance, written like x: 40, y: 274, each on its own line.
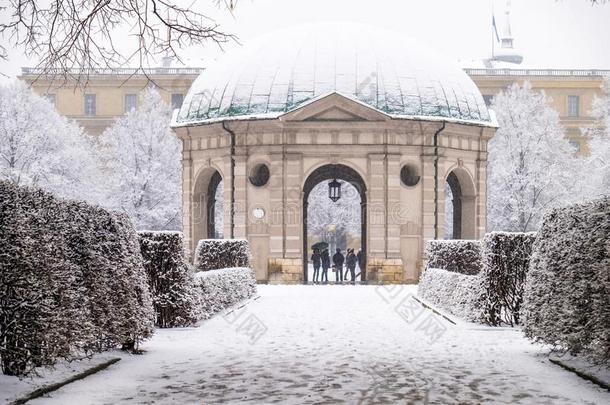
x: 488, y: 98
x: 130, y: 103
x: 50, y: 98
x: 177, y: 99
x: 260, y: 175
x: 90, y: 104
x: 573, y: 106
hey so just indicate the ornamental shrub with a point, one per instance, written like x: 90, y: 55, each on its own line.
x: 461, y: 295
x: 223, y: 288
x: 71, y: 280
x: 213, y: 254
x: 170, y: 278
x: 501, y: 263
x: 458, y: 256
x: 567, y: 293
x: 505, y: 258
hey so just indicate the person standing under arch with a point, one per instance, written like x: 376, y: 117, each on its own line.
x: 325, y: 265
x: 360, y: 258
x: 317, y: 261
x: 350, y: 263
x: 338, y: 260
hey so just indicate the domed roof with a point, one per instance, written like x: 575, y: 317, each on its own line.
x: 276, y: 73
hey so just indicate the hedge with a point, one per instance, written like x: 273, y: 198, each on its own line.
x: 213, y: 254
x: 495, y: 296
x: 223, y: 288
x: 170, y: 278
x: 72, y: 280
x: 459, y: 294
x: 458, y: 256
x: 505, y: 257
x: 567, y: 294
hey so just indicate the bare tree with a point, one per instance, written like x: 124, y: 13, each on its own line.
x: 72, y: 38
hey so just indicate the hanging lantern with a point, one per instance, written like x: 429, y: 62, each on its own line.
x: 334, y: 190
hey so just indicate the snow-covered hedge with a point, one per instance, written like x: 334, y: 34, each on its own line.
x: 71, y: 281
x: 170, y: 278
x: 506, y: 257
x: 459, y: 294
x: 213, y: 254
x: 458, y: 256
x: 220, y: 289
x: 567, y: 294
x: 500, y: 261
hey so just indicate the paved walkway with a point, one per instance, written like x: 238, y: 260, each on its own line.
x: 334, y: 344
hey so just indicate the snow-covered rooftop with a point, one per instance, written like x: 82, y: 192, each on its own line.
x: 278, y: 72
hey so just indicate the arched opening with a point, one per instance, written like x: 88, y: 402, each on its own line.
x: 208, y: 206
x: 215, y: 207
x: 460, y: 214
x: 453, y: 208
x: 340, y: 223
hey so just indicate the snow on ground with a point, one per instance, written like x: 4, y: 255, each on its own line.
x: 333, y: 344
x: 12, y: 388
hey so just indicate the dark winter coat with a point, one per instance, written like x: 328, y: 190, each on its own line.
x: 325, y: 259
x: 338, y: 260
x: 350, y: 260
x: 360, y: 257
x: 316, y: 259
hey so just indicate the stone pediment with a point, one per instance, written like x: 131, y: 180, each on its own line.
x: 335, y: 114
x: 334, y: 107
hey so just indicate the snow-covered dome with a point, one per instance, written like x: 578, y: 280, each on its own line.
x: 276, y: 73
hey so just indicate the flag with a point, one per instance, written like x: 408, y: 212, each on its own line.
x: 495, y: 28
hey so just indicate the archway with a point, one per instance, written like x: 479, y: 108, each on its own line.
x: 341, y: 173
x: 208, y: 206
x: 215, y: 207
x: 460, y: 209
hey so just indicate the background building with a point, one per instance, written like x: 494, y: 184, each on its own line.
x: 109, y: 94
x: 571, y: 91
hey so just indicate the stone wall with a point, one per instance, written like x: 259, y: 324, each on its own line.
x: 385, y: 271
x: 285, y: 271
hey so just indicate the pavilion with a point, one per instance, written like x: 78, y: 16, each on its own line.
x: 320, y: 102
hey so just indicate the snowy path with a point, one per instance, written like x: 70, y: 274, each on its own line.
x: 330, y: 344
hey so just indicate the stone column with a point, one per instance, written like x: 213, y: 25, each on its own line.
x: 293, y: 215
x: 188, y: 184
x: 481, y: 202
x: 428, y: 202
x: 470, y: 218
x: 376, y: 206
x: 384, y: 263
x: 241, y: 198
x: 276, y: 206
x: 285, y: 262
x: 226, y: 169
x: 394, y: 219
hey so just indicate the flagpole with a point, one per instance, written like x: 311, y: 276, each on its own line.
x: 492, y: 30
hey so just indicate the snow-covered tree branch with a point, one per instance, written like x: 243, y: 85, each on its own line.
x: 72, y: 38
x: 144, y: 158
x: 532, y: 166
x: 597, y: 166
x: 41, y: 148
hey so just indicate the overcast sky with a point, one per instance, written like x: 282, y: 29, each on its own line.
x: 549, y: 33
